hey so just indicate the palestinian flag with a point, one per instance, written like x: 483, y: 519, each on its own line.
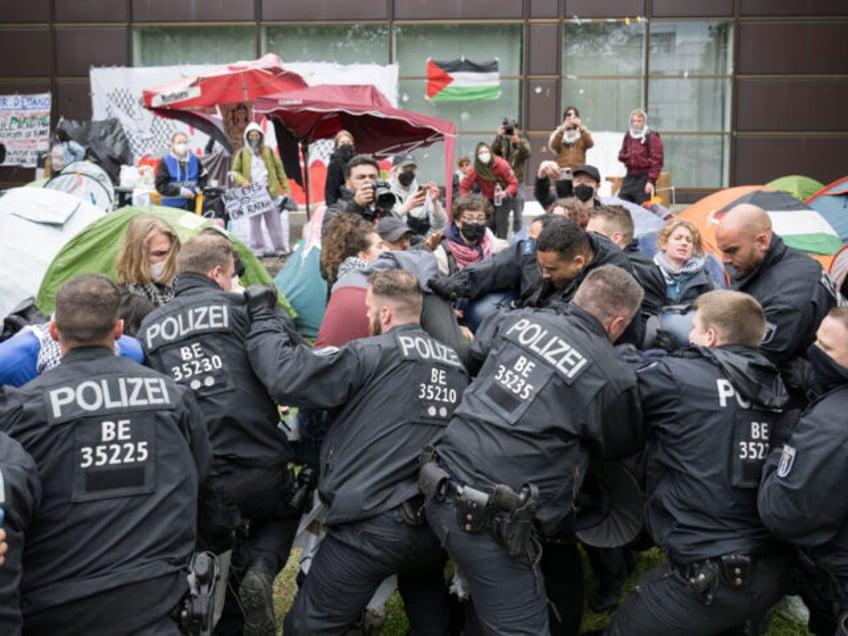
x: 462, y: 80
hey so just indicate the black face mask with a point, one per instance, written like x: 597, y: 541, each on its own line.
x: 345, y: 152
x: 473, y: 231
x: 405, y: 178
x: 584, y: 192
x: 827, y: 374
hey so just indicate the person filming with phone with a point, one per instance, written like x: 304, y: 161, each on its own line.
x: 570, y: 140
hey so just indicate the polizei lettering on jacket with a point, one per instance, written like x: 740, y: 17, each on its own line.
x: 550, y: 347
x: 105, y: 395
x: 186, y: 323
x: 427, y: 349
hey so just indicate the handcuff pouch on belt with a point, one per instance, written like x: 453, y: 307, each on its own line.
x: 731, y: 570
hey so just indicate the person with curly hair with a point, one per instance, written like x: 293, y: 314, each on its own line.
x: 146, y: 263
x: 681, y: 260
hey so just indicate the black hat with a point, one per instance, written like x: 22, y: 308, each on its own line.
x: 611, y: 514
x: 403, y: 159
x: 592, y: 171
x: 391, y: 228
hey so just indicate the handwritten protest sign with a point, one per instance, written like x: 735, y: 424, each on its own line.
x: 24, y: 127
x: 250, y: 201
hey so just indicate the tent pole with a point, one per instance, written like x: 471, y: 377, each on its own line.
x: 305, y: 159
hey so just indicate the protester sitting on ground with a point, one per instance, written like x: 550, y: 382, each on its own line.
x: 681, y: 260
x: 180, y: 176
x: 570, y: 140
x: 349, y: 245
x: 343, y: 151
x: 146, y: 263
x: 396, y: 234
x: 467, y: 239
x: 497, y: 183
x: 64, y: 151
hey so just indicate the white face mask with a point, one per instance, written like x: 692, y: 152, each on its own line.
x: 484, y: 157
x: 156, y: 270
x: 180, y: 149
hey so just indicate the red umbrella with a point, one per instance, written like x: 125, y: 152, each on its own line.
x: 193, y: 100
x: 239, y: 82
x: 319, y: 112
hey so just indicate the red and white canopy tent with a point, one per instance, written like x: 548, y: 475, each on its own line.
x: 304, y: 115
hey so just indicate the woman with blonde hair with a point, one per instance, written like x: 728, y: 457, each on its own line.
x: 146, y: 263
x: 681, y: 260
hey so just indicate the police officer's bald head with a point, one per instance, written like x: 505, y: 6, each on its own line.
x: 744, y: 235
x: 87, y: 312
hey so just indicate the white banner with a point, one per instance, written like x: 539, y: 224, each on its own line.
x: 24, y: 127
x: 117, y: 92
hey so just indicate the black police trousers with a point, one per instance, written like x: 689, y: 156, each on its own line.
x: 507, y: 593
x: 665, y: 603
x: 352, y: 561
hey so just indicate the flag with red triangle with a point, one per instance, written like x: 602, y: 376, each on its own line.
x: 462, y: 80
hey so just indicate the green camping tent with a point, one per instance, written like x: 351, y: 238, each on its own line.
x: 96, y: 248
x: 802, y: 188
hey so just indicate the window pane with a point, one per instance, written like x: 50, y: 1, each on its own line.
x: 697, y: 161
x: 603, y: 104
x: 413, y: 44
x: 342, y: 44
x: 169, y: 46
x: 479, y: 116
x: 603, y: 48
x: 701, y: 105
x: 695, y: 48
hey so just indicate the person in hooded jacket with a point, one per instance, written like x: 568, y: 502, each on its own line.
x: 799, y: 498
x: 642, y: 154
x: 343, y: 151
x: 497, y: 183
x: 259, y: 164
x: 710, y: 411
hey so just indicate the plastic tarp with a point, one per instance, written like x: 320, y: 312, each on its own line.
x: 96, y: 248
x: 35, y: 223
x: 106, y: 142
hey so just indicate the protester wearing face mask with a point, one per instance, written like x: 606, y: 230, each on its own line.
x: 798, y: 496
x: 146, y: 263
x: 180, y: 176
x: 343, y: 151
x: 256, y: 163
x: 570, y: 140
x: 497, y: 183
x: 468, y: 239
x: 418, y: 204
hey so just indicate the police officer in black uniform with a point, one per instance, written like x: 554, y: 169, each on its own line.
x: 120, y: 451
x: 198, y: 338
x: 550, y: 389
x: 20, y: 496
x: 800, y: 498
x: 392, y: 394
x: 539, y: 272
x: 710, y: 412
x: 793, y: 289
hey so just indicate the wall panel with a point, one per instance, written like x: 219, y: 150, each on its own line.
x: 30, y: 50
x: 78, y: 49
x: 796, y: 105
x: 761, y: 159
x: 192, y: 10
x: 543, y: 43
x: 91, y: 11
x: 322, y: 10
x: 793, y: 47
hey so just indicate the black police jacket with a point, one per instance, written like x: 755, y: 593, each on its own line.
x: 120, y: 451
x: 710, y: 414
x: 650, y: 277
x: 393, y: 394
x: 21, y: 496
x: 198, y: 338
x: 801, y: 496
x: 796, y: 294
x: 551, y: 389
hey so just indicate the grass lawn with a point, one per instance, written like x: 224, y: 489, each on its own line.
x: 782, y: 623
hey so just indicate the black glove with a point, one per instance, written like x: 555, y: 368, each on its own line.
x: 442, y: 287
x: 261, y: 302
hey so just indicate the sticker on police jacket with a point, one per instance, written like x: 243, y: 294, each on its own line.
x: 752, y: 432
